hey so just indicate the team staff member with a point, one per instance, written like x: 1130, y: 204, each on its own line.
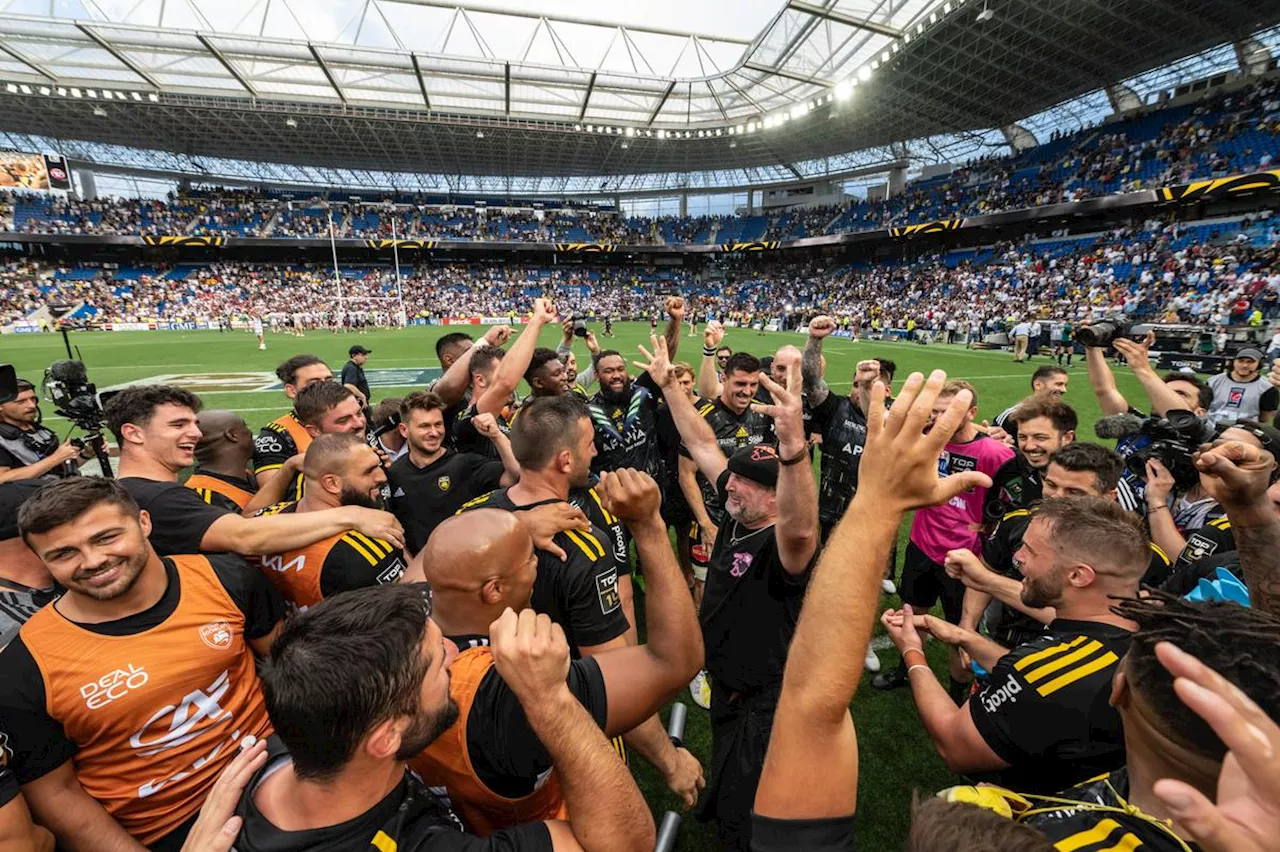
x: 937, y: 530
x: 1043, y: 720
x: 340, y: 470
x: 349, y: 789
x: 27, y: 449
x: 128, y: 696
x: 285, y: 437
x: 1243, y: 393
x: 353, y: 378
x: 156, y: 429
x: 222, y: 455
x: 735, y: 424
x: 483, y: 562
x: 495, y: 375
x: 1041, y: 426
x: 809, y: 788
x: 755, y: 584
x: 431, y: 482
x: 25, y: 584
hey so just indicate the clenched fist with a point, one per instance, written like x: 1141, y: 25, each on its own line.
x: 630, y: 494
x: 820, y: 327
x: 531, y: 654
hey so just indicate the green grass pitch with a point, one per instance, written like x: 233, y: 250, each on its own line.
x: 896, y: 756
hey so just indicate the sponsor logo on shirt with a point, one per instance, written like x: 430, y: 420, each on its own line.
x: 1235, y: 398
x: 444, y: 483
x: 1198, y: 547
x: 276, y: 563
x: 1007, y: 694
x: 741, y: 562
x: 392, y: 572
x: 113, y: 685
x: 607, y: 590
x: 177, y: 724
x: 399, y: 493
x: 217, y: 635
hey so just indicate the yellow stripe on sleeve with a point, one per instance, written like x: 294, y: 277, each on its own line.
x: 359, y: 548
x: 1032, y: 659
x: 1076, y: 674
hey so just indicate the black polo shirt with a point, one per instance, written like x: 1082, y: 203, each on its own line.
x: 179, y: 516
x: 353, y: 374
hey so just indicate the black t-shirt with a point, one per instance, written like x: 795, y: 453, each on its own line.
x: 843, y: 428
x: 1015, y: 485
x: 18, y: 603
x: 580, y: 594
x: 179, y: 517
x: 627, y: 432
x: 353, y: 374
x: 423, y: 497
x: 408, y: 819
x: 749, y: 608
x: 1046, y: 709
x: 675, y: 504
x: 733, y: 432
x: 834, y: 834
x: 9, y: 788
x: 588, y: 501
x: 41, y: 745
x: 467, y: 440
x: 1208, y: 548
x: 505, y: 753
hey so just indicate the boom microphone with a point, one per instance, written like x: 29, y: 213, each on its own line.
x: 1117, y: 426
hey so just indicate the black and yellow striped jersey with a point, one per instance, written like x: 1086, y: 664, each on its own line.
x: 1046, y: 710
x: 580, y: 594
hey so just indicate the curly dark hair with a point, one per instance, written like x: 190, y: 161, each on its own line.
x: 138, y: 404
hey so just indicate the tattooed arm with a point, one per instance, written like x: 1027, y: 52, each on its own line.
x: 1237, y: 476
x: 815, y: 387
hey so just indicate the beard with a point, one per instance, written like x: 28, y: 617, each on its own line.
x: 426, y: 729
x: 130, y: 572
x: 744, y: 513
x: 1044, y: 591
x: 617, y: 397
x: 351, y: 497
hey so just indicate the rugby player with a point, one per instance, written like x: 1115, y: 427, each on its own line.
x: 483, y: 562
x: 755, y: 581
x: 431, y: 482
x: 395, y: 696
x: 156, y: 428
x: 1047, y: 381
x: 1041, y: 426
x: 223, y: 455
x: 127, y: 697
x: 340, y: 470
x: 1042, y: 721
x: 328, y: 408
x: 285, y: 437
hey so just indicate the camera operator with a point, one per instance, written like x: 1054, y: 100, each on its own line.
x: 1243, y: 393
x: 27, y: 449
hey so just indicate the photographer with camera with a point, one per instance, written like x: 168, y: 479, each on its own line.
x: 29, y: 450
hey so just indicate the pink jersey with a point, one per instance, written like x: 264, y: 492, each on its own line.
x: 955, y: 525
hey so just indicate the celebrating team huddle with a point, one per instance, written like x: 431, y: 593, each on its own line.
x: 450, y: 620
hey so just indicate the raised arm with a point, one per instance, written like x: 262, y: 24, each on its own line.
x: 1136, y: 355
x: 1237, y: 475
x: 709, y: 370
x: 811, y: 770
x: 675, y: 320
x: 640, y: 679
x: 1103, y: 382
x: 696, y: 435
x: 815, y: 386
x: 797, y: 526
x: 487, y: 425
x: 278, y: 533
x: 274, y: 489
x: 606, y: 810
x: 452, y: 386
x: 512, y: 367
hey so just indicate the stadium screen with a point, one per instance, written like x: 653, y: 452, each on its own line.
x: 19, y: 170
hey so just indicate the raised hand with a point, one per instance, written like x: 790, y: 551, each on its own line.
x: 1160, y: 484
x: 486, y: 424
x: 545, y: 522
x: 1235, y: 474
x: 531, y: 654
x: 630, y: 494
x: 712, y: 334
x: 899, y: 467
x: 822, y: 326
x: 657, y: 364
x: 675, y: 306
x: 1246, y: 815
x: 544, y: 312
x: 1136, y: 355
x: 866, y: 372
x: 497, y: 335
x: 964, y: 566
x: 787, y: 410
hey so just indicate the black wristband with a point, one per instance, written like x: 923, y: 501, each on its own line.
x: 797, y: 458
x: 708, y: 352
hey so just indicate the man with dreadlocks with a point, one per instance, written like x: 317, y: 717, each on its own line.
x: 1175, y: 762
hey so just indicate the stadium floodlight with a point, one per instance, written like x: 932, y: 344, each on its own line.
x: 844, y: 90
x: 136, y: 96
x: 733, y: 144
x: 626, y: 145
x: 479, y: 134
x: 946, y: 8
x: 75, y: 93
x: 291, y: 122
x: 62, y: 93
x: 154, y: 98
x: 11, y: 88
x: 578, y: 127
x: 99, y: 112
x: 44, y: 90
x: 106, y: 95
x: 629, y: 132
x: 985, y: 15
x: 864, y: 73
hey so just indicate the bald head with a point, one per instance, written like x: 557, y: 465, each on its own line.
x: 224, y: 439
x: 329, y: 454
x: 478, y: 564
x: 782, y: 361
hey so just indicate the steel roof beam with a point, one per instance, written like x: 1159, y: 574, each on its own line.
x: 841, y: 18
x: 27, y: 61
x: 226, y: 63
x: 422, y: 84
x: 119, y: 56
x: 586, y: 96
x: 328, y: 75
x: 790, y: 75
x: 653, y: 116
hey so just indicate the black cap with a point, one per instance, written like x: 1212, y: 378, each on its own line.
x: 758, y: 463
x: 12, y: 496
x: 358, y: 350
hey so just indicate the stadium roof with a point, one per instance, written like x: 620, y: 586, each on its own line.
x: 651, y: 87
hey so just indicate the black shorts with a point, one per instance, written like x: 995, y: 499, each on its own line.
x: 925, y: 581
